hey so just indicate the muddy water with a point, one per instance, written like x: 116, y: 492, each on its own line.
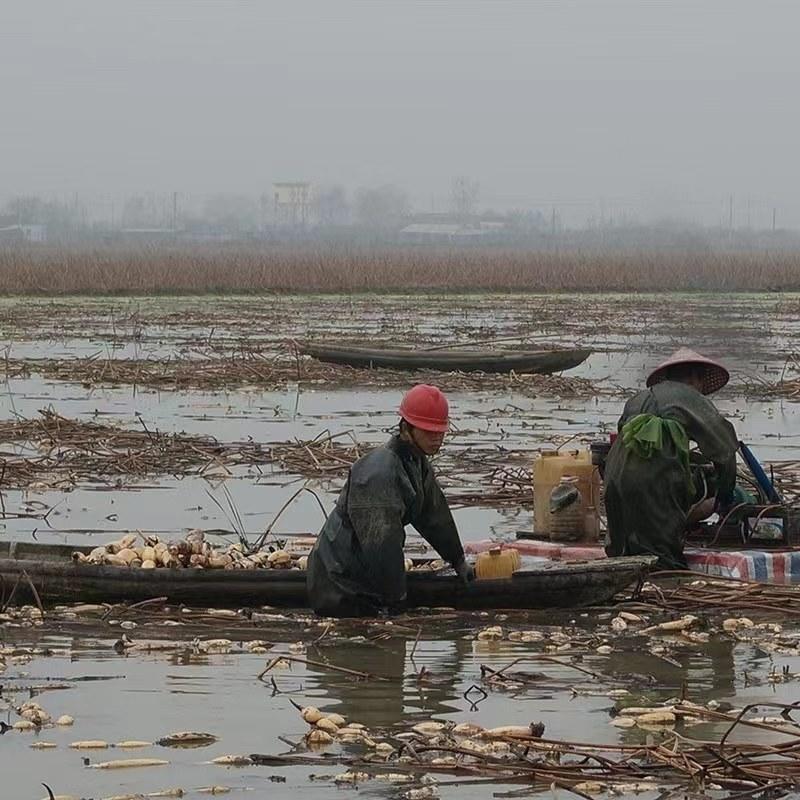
x: 145, y: 697
x: 149, y: 696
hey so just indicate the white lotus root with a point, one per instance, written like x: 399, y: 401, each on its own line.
x: 491, y: 634
x: 319, y: 737
x: 130, y: 762
x: 192, y: 552
x: 521, y: 731
x: 233, y: 761
x: 280, y: 559
x: 326, y: 725
x: 311, y: 715
x: 429, y: 728
x: 91, y: 744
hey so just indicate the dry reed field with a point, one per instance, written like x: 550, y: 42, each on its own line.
x: 254, y: 268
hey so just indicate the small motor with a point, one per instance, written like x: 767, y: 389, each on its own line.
x: 600, y: 449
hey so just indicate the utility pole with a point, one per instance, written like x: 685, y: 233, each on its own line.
x: 553, y: 222
x: 730, y: 215
x: 773, y: 219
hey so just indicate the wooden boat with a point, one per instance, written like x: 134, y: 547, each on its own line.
x: 541, y: 362
x: 57, y: 579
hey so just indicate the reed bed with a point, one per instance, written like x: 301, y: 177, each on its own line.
x: 250, y: 368
x: 787, y: 387
x: 681, y: 592
x: 247, y: 367
x: 52, y: 451
x: 55, y: 452
x: 422, y: 320
x: 248, y: 268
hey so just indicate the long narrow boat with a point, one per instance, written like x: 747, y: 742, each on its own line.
x: 57, y: 579
x: 521, y: 361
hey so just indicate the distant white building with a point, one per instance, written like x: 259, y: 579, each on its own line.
x: 145, y: 234
x: 292, y: 203
x: 24, y: 233
x: 421, y: 232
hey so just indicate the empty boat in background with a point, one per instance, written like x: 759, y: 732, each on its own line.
x: 541, y: 362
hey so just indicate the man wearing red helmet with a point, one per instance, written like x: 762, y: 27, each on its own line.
x: 357, y: 566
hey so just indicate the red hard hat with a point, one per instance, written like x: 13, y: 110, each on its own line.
x: 426, y: 407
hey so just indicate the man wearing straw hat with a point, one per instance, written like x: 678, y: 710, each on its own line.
x: 357, y: 565
x: 650, y: 491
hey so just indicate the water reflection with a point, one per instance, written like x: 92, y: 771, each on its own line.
x: 429, y: 685
x: 706, y: 673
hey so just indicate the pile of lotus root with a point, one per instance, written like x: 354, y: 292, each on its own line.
x: 191, y: 552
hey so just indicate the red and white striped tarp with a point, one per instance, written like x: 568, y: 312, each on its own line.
x: 767, y: 566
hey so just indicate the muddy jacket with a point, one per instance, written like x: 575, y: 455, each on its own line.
x: 648, y: 499
x: 357, y: 566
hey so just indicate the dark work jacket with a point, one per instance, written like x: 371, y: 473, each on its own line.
x: 357, y: 566
x: 648, y: 500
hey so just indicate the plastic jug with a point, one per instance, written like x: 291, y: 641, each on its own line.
x: 497, y: 563
x: 591, y: 524
x: 548, y: 470
x: 567, y: 511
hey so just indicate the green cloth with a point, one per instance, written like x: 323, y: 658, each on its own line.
x: 645, y: 434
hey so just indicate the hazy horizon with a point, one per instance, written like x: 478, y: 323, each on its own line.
x: 647, y: 109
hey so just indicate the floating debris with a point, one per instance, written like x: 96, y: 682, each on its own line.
x: 90, y: 744
x: 232, y: 761
x: 351, y: 777
x: 187, y: 739
x: 129, y: 763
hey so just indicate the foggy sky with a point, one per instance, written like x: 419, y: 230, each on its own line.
x: 667, y: 107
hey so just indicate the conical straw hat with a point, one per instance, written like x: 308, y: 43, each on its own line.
x: 715, y: 375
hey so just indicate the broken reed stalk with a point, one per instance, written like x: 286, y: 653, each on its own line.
x: 322, y: 665
x: 693, y: 592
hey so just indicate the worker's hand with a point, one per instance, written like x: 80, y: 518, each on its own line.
x: 701, y: 510
x: 465, y: 571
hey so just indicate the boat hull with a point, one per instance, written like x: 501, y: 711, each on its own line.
x: 57, y: 579
x: 524, y: 361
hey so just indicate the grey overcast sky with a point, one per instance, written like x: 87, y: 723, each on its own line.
x: 665, y: 107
